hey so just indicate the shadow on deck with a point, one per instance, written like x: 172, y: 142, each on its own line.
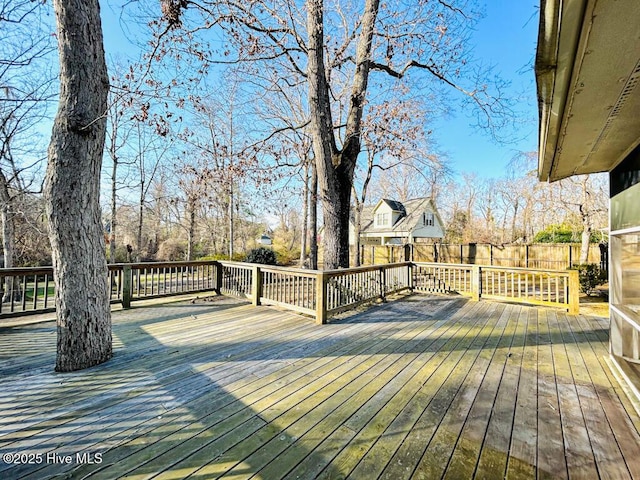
x: 426, y: 387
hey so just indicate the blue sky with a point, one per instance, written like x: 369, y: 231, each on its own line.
x: 505, y: 38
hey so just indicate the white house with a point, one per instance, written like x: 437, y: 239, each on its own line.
x: 396, y: 223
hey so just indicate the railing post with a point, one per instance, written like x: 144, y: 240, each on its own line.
x: 410, y: 276
x: 383, y: 283
x: 217, y: 277
x: 256, y: 285
x: 476, y: 282
x: 574, y: 292
x: 321, y: 298
x: 570, y: 256
x: 126, y: 286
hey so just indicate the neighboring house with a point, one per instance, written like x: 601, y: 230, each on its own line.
x: 265, y: 240
x: 588, y: 76
x: 392, y: 222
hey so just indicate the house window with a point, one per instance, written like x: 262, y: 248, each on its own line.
x: 382, y: 219
x: 427, y: 219
x: 625, y: 278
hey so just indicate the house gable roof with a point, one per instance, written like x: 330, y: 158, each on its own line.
x: 413, y: 210
x: 393, y: 204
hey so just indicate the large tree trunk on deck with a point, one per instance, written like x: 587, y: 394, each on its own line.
x: 336, y: 166
x: 72, y: 187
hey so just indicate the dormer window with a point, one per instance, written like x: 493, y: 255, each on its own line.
x: 427, y: 219
x: 382, y: 219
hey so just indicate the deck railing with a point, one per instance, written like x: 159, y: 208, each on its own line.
x: 555, y: 288
x: 26, y: 289
x: 445, y: 278
x: 342, y: 290
x: 32, y: 290
x: 538, y: 287
x: 137, y: 281
x: 313, y: 292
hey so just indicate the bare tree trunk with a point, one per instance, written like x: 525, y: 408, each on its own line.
x: 8, y: 236
x: 585, y: 242
x: 140, y: 222
x: 359, y: 203
x: 336, y: 167
x: 516, y: 206
x: 114, y: 209
x: 586, y: 223
x: 313, y: 219
x: 192, y: 227
x: 585, y: 214
x: 357, y: 228
x: 231, y: 220
x: 305, y: 215
x: 72, y: 187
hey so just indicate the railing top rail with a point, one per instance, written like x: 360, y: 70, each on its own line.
x: 231, y: 263
x: 496, y: 267
x: 561, y: 273
x: 447, y: 265
x: 299, y: 272
x: 275, y: 268
x: 110, y: 266
x: 293, y: 270
x: 116, y: 266
x: 367, y: 268
x: 26, y: 270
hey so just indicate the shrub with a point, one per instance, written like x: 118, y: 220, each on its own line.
x: 237, y: 257
x: 287, y: 257
x: 171, y: 250
x: 563, y: 233
x: 590, y: 277
x: 262, y: 255
x: 556, y: 234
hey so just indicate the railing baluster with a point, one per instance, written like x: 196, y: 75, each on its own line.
x: 24, y: 293
x: 35, y: 292
x: 12, y: 294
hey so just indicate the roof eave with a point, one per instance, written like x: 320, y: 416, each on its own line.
x: 554, y: 68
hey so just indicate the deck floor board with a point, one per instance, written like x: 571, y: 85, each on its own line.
x: 423, y: 387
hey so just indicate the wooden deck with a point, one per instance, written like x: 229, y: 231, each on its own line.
x: 426, y: 387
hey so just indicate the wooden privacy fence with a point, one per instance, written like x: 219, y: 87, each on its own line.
x: 312, y: 292
x: 547, y: 256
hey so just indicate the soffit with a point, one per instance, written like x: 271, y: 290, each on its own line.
x: 595, y: 123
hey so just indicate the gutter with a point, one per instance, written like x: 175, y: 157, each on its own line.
x: 561, y: 23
